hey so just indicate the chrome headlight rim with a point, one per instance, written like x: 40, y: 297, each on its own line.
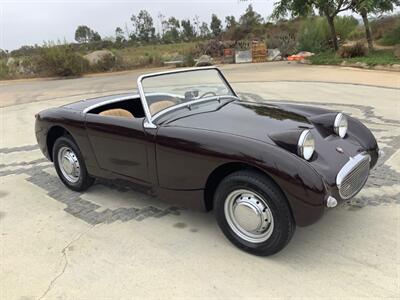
x: 302, y: 151
x: 340, y: 125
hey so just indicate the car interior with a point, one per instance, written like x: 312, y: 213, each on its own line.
x: 129, y: 108
x: 133, y: 108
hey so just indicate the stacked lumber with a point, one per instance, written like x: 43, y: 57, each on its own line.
x: 259, y: 52
x: 229, y: 56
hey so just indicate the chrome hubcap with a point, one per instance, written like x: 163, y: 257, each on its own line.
x: 69, y: 164
x: 249, y: 216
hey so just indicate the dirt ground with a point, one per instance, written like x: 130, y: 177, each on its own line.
x: 112, y: 242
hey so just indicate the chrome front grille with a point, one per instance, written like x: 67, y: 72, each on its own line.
x: 352, y: 177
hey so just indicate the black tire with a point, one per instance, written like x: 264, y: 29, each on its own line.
x: 283, y: 222
x: 85, y: 180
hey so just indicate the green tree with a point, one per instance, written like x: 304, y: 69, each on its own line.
x: 328, y: 8
x: 204, y: 31
x: 144, y: 30
x: 392, y: 37
x: 250, y: 20
x: 365, y: 7
x: 95, y: 37
x: 230, y: 22
x: 196, y: 24
x: 215, y: 25
x: 119, y: 35
x: 83, y: 34
x: 171, y: 30
x: 161, y: 18
x: 188, y: 31
x: 3, y: 54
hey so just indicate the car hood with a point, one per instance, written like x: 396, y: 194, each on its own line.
x: 282, y: 125
x: 252, y: 120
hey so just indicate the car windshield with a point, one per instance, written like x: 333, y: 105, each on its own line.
x: 177, y: 89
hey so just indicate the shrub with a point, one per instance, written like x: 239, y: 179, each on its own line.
x: 188, y: 60
x: 3, y: 54
x: 4, y: 71
x: 313, y: 35
x: 377, y: 57
x: 357, y: 34
x: 27, y: 66
x: 94, y: 46
x: 243, y: 45
x: 381, y: 26
x: 284, y: 41
x: 344, y: 25
x: 234, y: 33
x: 106, y: 63
x: 356, y: 50
x: 156, y: 60
x: 61, y: 60
x: 213, y: 48
x: 120, y: 63
x: 396, y: 51
x: 392, y: 37
x: 25, y: 51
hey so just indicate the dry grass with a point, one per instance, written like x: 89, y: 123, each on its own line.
x: 153, y: 54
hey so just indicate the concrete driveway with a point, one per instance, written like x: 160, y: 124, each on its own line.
x: 112, y: 242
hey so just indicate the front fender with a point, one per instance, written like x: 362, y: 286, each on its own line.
x: 365, y: 137
x: 303, y: 186
x: 186, y: 157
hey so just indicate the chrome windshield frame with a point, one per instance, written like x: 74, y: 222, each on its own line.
x: 189, y: 104
x: 149, y: 119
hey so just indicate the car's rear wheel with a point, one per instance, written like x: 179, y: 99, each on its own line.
x: 70, y: 165
x: 253, y: 213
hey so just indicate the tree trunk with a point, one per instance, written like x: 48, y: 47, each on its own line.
x: 368, y: 34
x: 331, y: 23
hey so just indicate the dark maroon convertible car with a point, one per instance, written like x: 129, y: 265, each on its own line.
x: 188, y: 138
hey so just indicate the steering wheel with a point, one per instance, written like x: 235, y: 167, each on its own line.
x: 208, y: 93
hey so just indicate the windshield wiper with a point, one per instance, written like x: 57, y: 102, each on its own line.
x: 214, y: 98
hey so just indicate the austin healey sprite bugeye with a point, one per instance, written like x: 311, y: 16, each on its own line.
x: 187, y: 137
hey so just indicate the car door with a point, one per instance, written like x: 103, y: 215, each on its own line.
x: 120, y: 145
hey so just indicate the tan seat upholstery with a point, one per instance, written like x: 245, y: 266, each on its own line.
x: 117, y: 112
x: 160, y: 105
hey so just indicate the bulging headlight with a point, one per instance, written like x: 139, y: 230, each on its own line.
x: 340, y: 125
x: 306, y: 145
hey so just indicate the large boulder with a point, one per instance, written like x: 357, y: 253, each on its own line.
x: 396, y: 67
x: 98, y: 56
x: 19, y: 66
x: 204, y: 60
x: 274, y: 54
x: 11, y: 62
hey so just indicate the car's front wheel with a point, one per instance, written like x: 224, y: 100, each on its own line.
x: 70, y: 165
x: 253, y: 213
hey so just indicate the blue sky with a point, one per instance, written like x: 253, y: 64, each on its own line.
x: 29, y: 22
